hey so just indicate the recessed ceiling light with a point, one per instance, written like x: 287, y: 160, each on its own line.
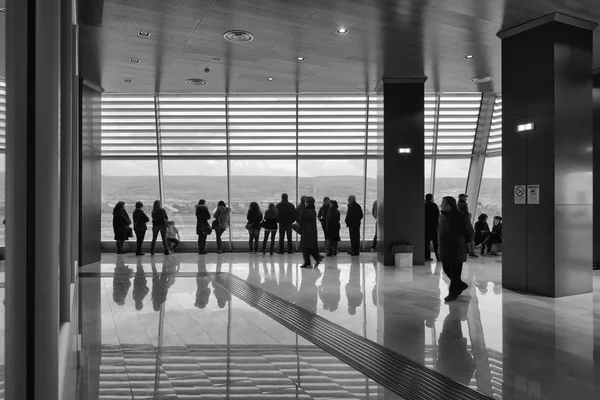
x: 270, y: 79
x: 217, y: 59
x: 342, y: 31
x: 196, y: 81
x: 143, y: 33
x: 482, y: 79
x: 469, y: 56
x: 300, y: 59
x: 238, y: 36
x: 127, y: 80
x: 134, y: 61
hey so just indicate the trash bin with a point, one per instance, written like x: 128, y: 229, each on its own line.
x: 403, y: 255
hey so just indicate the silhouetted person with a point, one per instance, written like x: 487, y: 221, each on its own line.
x: 173, y: 238
x: 140, y: 286
x: 222, y: 216
x: 300, y: 208
x: 354, y: 217
x: 121, y: 222
x: 454, y: 359
x: 333, y: 229
x: 159, y: 225
x: 254, y: 217
x: 202, y: 291
x: 270, y: 225
x: 482, y: 234
x: 463, y: 207
x: 287, y: 216
x: 496, y: 236
x: 140, y: 226
x: 121, y: 282
x: 353, y: 290
x: 432, y: 217
x: 310, y: 235
x: 374, y: 214
x: 322, y: 216
x: 330, y: 288
x: 202, y: 225
x: 454, y: 232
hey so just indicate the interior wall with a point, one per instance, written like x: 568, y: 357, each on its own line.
x: 596, y: 176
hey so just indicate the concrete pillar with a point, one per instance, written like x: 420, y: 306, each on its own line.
x: 401, y: 168
x: 596, y: 167
x: 547, y: 81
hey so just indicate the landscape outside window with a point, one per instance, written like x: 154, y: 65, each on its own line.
x: 490, y: 193
x: 450, y: 177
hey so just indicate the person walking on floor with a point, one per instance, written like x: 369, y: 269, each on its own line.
x: 222, y: 216
x: 254, y: 218
x: 463, y: 207
x: 432, y: 217
x: 140, y: 221
x: 287, y: 216
x: 333, y: 229
x: 159, y: 225
x: 310, y: 235
x: 202, y: 226
x: 270, y: 225
x: 354, y: 217
x: 121, y: 228
x: 322, y: 216
x: 454, y: 232
x: 374, y: 214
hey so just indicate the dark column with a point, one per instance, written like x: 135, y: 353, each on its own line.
x: 400, y: 177
x: 90, y: 174
x: 596, y: 146
x: 547, y: 81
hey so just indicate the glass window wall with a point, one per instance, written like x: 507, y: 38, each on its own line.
x: 490, y: 192
x: 450, y: 177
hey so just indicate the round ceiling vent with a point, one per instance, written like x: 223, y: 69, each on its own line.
x: 195, y: 81
x: 482, y: 79
x: 238, y: 36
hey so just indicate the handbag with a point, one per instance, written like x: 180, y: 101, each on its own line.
x: 263, y: 224
x: 249, y: 226
x: 297, y: 228
x: 216, y: 224
x: 206, y: 229
x: 129, y: 231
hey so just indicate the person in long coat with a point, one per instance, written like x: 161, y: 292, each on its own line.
x: 333, y: 229
x: 310, y: 236
x: 121, y: 222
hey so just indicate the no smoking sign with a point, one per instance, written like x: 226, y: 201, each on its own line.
x: 520, y: 194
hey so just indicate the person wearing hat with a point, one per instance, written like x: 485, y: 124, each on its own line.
x: 463, y: 207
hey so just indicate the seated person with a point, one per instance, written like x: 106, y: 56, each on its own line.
x: 496, y: 235
x: 482, y: 234
x: 172, y: 236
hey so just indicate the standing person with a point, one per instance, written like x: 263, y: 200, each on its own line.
x: 140, y: 220
x: 159, y: 224
x: 322, y: 217
x: 454, y: 232
x: 463, y: 207
x: 202, y: 226
x: 222, y: 216
x: 300, y: 208
x: 270, y: 225
x: 354, y: 217
x: 254, y: 218
x: 310, y: 235
x: 333, y: 229
x: 482, y: 234
x: 121, y: 222
x: 374, y: 214
x: 173, y: 238
x: 287, y: 216
x: 432, y: 217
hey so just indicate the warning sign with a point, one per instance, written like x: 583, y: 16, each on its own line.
x: 533, y: 194
x: 520, y: 194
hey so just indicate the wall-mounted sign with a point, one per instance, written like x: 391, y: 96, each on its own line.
x: 533, y: 194
x: 520, y: 194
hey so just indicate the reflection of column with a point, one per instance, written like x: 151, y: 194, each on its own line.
x: 91, y: 336
x: 483, y: 373
x: 161, y: 323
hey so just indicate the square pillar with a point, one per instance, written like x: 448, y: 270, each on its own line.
x: 401, y: 167
x: 547, y: 81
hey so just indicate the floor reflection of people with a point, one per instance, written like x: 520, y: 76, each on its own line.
x: 270, y: 282
x: 330, y: 288
x: 454, y: 360
x: 353, y: 289
x: 222, y: 295
x: 307, y: 294
x: 286, y: 288
x: 121, y: 282
x: 482, y: 286
x: 254, y: 274
x: 162, y: 282
x: 374, y: 292
x: 140, y: 286
x: 202, y: 281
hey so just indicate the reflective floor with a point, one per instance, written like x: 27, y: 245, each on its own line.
x: 162, y: 329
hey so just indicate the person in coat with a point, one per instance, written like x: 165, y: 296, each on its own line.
x: 287, y: 216
x: 322, y: 216
x: 310, y: 235
x: 432, y: 217
x: 482, y: 234
x: 333, y: 229
x: 463, y: 207
x: 374, y: 214
x: 454, y: 232
x: 159, y: 225
x: 354, y: 217
x: 121, y: 222
x: 300, y: 208
x: 254, y: 217
x: 140, y: 220
x: 222, y: 216
x: 270, y: 225
x: 202, y: 226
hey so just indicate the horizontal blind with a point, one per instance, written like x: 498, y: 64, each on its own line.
x: 430, y: 109
x: 2, y: 115
x: 457, y: 123
x: 332, y: 125
x: 128, y: 125
x: 374, y: 137
x: 192, y: 125
x: 494, y: 146
x: 262, y: 125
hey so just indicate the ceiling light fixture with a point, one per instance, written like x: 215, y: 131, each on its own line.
x: 482, y: 79
x: 196, y: 81
x: 300, y: 59
x: 217, y: 59
x: 134, y: 61
x: 469, y: 56
x: 143, y: 33
x: 342, y: 31
x: 270, y: 79
x: 127, y: 80
x: 238, y: 36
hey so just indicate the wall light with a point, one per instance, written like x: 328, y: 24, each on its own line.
x: 404, y: 150
x: 525, y: 127
x: 143, y: 33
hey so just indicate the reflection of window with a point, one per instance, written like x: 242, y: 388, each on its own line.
x: 188, y: 181
x: 262, y: 181
x: 490, y: 193
x: 450, y: 177
x: 428, y: 176
x: 337, y: 179
x: 128, y: 181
